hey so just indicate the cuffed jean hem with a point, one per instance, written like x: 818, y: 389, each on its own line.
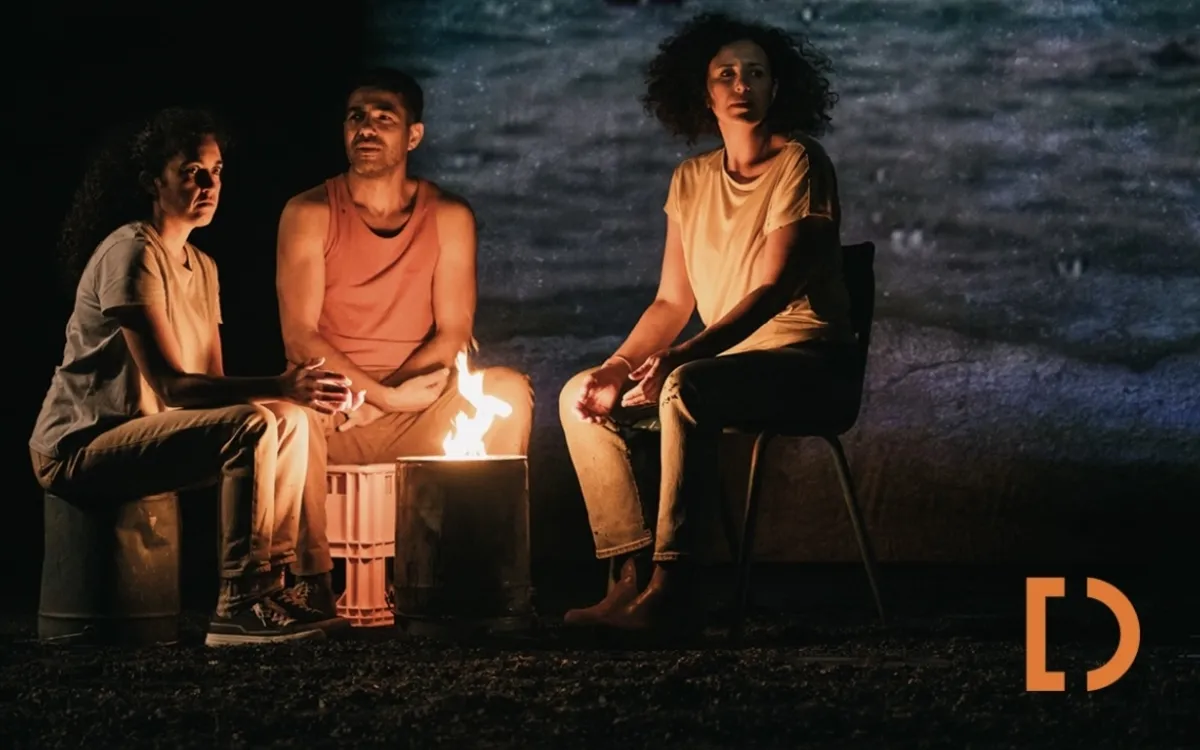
x: 670, y: 556
x: 237, y: 593
x: 246, y: 570
x: 604, y: 554
x: 283, y: 561
x: 271, y: 586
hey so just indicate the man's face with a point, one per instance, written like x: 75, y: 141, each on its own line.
x: 190, y: 184
x: 740, y: 88
x: 377, y: 132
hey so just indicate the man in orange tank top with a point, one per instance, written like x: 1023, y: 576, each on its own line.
x: 376, y: 273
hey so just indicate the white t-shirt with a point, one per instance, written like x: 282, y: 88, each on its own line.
x: 98, y: 385
x: 725, y: 225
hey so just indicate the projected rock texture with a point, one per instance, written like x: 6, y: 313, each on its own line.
x: 1027, y: 170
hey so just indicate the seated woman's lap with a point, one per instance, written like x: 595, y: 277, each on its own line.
x: 815, y: 384
x: 165, y: 452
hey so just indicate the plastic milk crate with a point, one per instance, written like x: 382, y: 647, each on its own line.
x: 360, y: 511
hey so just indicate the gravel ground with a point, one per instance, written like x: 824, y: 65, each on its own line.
x: 928, y: 680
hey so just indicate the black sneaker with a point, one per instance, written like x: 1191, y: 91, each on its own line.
x: 312, y: 603
x: 261, y: 622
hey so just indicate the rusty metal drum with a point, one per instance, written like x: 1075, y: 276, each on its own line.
x: 110, y: 572
x: 462, y: 561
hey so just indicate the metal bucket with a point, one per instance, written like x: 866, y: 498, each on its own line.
x: 110, y: 574
x: 462, y: 545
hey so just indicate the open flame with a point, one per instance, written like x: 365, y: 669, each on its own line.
x: 465, y: 439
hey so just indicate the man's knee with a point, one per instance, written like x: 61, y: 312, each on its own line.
x: 319, y: 425
x: 510, y: 386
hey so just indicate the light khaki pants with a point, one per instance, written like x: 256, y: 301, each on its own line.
x: 256, y: 453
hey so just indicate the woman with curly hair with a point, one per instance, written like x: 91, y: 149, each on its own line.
x: 753, y: 245
x: 140, y: 404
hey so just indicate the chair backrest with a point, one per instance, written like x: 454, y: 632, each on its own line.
x: 858, y: 270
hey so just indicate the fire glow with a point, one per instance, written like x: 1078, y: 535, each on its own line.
x: 465, y: 439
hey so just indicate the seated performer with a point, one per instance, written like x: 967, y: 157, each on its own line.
x: 376, y: 275
x: 140, y: 404
x: 753, y: 244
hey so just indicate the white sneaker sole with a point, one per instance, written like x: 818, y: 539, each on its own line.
x: 237, y: 639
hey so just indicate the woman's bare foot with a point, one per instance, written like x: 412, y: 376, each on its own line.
x: 665, y: 605
x: 619, y: 596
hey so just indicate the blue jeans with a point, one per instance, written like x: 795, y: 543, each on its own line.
x: 815, y: 384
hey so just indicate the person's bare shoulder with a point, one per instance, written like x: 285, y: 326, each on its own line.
x: 306, y: 213
x: 451, y: 209
x: 312, y: 201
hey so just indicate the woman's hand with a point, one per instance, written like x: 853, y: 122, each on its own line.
x: 650, y: 376
x: 599, y: 393
x: 321, y: 390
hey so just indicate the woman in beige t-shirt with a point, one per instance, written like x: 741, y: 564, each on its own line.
x: 753, y: 246
x: 141, y: 405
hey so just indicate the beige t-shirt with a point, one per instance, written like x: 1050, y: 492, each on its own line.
x: 98, y: 385
x: 725, y: 226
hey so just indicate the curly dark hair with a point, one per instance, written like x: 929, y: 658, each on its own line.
x: 677, y: 78
x: 113, y: 191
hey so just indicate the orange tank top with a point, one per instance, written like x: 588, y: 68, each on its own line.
x: 378, y: 290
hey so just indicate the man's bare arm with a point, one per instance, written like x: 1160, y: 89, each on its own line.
x: 300, y: 287
x: 454, y: 292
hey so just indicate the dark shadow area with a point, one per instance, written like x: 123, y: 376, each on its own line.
x: 815, y: 671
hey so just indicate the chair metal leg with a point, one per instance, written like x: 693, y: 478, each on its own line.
x: 746, y: 548
x: 864, y: 542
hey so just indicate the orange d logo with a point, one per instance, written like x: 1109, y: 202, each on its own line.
x: 1037, y: 591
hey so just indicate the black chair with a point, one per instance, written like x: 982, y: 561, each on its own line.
x: 858, y: 267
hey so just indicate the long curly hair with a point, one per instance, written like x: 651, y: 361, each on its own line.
x: 113, y: 190
x: 677, y: 78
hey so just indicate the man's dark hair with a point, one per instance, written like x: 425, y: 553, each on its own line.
x: 677, y: 78
x: 395, y: 81
x: 113, y: 189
